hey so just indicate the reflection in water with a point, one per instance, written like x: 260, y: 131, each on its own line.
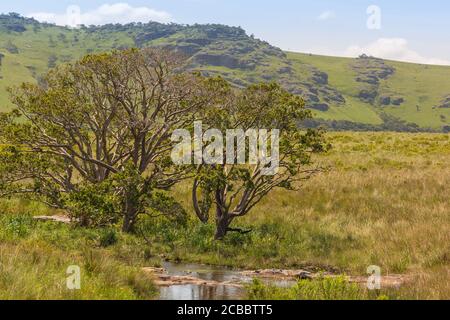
x: 194, y: 292
x: 210, y: 273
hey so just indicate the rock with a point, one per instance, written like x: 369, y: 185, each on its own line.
x: 371, y: 71
x: 197, y: 41
x: 285, y: 70
x: 319, y: 106
x: 367, y: 96
x: 385, y: 101
x: 370, y: 79
x: 311, y: 98
x: 320, y: 77
x: 268, y: 76
x: 397, y: 101
x: 154, y: 270
x: 218, y: 60
x: 445, y: 103
x: 279, y: 274
x: 332, y: 96
x: 187, y: 49
x: 161, y: 279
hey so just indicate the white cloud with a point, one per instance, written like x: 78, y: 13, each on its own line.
x: 107, y: 13
x: 393, y: 49
x: 326, y: 15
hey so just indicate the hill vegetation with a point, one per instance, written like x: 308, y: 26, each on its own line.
x: 361, y: 94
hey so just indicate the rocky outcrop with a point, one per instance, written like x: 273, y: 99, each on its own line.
x: 367, y: 96
x: 396, y: 101
x: 320, y: 107
x: 223, y: 60
x: 388, y: 100
x: 319, y: 77
x: 445, y: 103
x: 370, y: 72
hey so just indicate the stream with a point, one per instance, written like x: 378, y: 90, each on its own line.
x: 208, y: 273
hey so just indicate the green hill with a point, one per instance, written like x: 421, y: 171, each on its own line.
x: 363, y: 93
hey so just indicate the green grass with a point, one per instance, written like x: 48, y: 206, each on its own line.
x: 384, y: 202
x: 35, y: 256
x: 325, y: 288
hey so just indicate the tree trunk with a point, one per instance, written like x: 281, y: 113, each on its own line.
x: 223, y: 221
x: 130, y: 212
x: 221, y: 229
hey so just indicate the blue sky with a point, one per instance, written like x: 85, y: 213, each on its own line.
x: 417, y: 31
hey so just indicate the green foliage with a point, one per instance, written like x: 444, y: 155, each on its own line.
x: 108, y: 238
x: 236, y: 187
x: 19, y: 226
x: 96, y: 148
x: 94, y: 205
x: 326, y: 288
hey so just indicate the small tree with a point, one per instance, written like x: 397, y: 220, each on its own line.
x: 235, y: 189
x: 97, y: 133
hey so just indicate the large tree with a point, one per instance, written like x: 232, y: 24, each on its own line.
x: 101, y: 126
x: 235, y: 185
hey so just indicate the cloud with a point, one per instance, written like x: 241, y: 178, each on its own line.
x: 393, y: 49
x: 326, y: 15
x: 108, y: 13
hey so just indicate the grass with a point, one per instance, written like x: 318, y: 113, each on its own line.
x: 383, y: 202
x: 35, y: 257
x: 325, y: 288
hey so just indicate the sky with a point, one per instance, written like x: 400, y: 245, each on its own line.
x: 414, y: 31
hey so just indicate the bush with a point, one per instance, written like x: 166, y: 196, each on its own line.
x: 108, y: 237
x: 326, y: 288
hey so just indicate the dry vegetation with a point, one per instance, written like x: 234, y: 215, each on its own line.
x: 384, y: 201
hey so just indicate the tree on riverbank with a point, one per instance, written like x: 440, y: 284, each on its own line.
x: 94, y: 139
x: 233, y: 190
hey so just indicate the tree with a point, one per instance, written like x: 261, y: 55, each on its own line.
x: 234, y: 188
x: 98, y: 132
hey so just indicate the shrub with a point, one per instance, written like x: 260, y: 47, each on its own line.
x: 325, y: 288
x: 108, y: 237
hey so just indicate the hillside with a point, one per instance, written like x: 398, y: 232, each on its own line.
x: 363, y: 93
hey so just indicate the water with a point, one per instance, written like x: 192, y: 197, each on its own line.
x: 208, y: 273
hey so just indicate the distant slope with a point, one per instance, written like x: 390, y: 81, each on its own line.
x: 364, y: 91
x: 423, y: 88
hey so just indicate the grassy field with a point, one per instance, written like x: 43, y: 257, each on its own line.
x: 384, y: 201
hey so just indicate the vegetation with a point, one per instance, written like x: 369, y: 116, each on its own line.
x: 236, y: 188
x: 385, y: 202
x: 325, y: 288
x: 330, y: 86
x: 97, y: 139
x: 35, y: 256
x: 97, y: 135
x: 92, y: 140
